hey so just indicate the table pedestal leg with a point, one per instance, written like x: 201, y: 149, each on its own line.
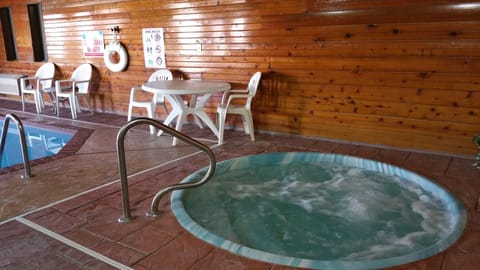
x: 180, y: 111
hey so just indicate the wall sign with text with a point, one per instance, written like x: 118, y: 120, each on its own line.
x: 153, y: 47
x: 92, y: 43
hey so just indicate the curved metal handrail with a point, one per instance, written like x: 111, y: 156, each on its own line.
x: 153, y: 212
x: 23, y: 142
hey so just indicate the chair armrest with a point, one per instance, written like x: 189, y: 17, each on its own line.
x: 238, y: 91
x: 63, y: 81
x: 135, y: 88
x: 23, y: 82
x: 49, y: 90
x: 229, y: 93
x: 73, y: 82
x: 237, y: 96
x: 26, y: 81
x: 84, y: 81
x: 139, y: 88
x: 28, y: 78
x: 58, y: 85
x: 45, y: 79
x: 132, y: 91
x: 232, y: 97
x: 78, y: 82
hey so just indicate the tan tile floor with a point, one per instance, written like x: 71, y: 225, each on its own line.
x: 77, y: 199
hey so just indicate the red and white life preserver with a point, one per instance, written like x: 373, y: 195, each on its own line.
x: 109, y: 56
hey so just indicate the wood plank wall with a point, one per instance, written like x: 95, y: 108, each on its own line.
x: 397, y: 73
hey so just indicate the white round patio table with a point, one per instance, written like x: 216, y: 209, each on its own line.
x: 174, y: 90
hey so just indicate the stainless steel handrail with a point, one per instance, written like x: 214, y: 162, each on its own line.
x: 23, y: 142
x: 153, y: 212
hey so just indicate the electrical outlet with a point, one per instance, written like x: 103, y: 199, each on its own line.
x: 199, y: 47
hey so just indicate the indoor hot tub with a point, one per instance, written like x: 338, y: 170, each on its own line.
x: 320, y: 211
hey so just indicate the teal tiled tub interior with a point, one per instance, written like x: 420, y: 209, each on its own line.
x: 320, y: 211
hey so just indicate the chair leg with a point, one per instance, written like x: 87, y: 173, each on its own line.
x: 248, y: 124
x: 181, y: 119
x: 51, y: 97
x: 150, y: 113
x: 40, y: 98
x: 57, y: 106
x: 78, y: 109
x: 41, y: 104
x: 38, y: 103
x: 86, y: 98
x: 129, y: 115
x: 73, y: 106
x: 23, y: 101
x: 221, y: 116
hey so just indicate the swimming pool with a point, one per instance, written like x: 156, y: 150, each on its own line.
x: 42, y: 142
x: 320, y: 211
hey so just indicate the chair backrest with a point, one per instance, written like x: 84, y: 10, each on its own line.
x: 252, y: 88
x: 161, y: 74
x: 47, y: 70
x: 82, y: 73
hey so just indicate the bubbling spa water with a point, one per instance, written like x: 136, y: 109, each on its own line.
x: 320, y: 211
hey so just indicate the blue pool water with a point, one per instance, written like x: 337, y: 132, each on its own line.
x: 320, y: 211
x: 41, y: 143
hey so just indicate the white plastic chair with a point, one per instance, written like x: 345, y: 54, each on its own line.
x: 150, y: 106
x: 43, y: 79
x: 74, y: 88
x: 226, y: 107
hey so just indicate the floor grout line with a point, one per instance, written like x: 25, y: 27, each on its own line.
x: 73, y: 244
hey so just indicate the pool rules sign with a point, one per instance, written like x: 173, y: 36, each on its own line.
x: 153, y: 47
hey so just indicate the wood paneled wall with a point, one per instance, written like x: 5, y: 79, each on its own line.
x: 398, y: 73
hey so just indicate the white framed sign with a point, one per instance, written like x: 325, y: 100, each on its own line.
x: 153, y: 47
x: 92, y: 43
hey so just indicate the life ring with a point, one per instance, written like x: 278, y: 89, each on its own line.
x: 109, y: 57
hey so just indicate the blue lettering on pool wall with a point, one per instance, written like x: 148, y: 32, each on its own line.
x: 41, y: 143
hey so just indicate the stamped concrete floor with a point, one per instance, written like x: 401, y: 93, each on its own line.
x: 65, y: 217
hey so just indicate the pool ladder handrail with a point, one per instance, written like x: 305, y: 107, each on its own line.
x: 153, y: 212
x: 23, y: 142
